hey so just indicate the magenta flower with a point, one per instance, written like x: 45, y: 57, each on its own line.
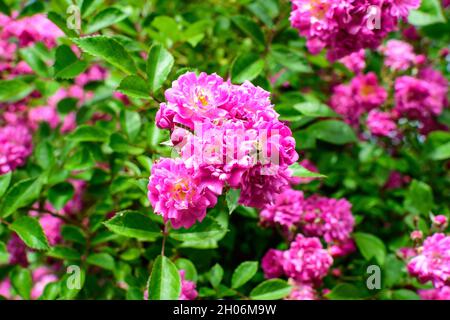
x: 188, y: 291
x: 259, y: 188
x: 197, y: 98
x: 399, y: 55
x: 361, y: 95
x: 347, y: 26
x: 17, y: 251
x: 285, y: 211
x: 302, y: 291
x: 355, y: 61
x: 442, y: 293
x: 42, y: 276
x: 43, y: 114
x: 329, y: 218
x: 433, y: 261
x: 421, y: 98
x: 272, y: 264
x: 179, y: 194
x: 306, y: 261
x: 381, y: 124
x: 15, y: 147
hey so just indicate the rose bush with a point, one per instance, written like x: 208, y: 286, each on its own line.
x: 265, y: 149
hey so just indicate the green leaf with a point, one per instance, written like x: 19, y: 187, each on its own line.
x: 4, y: 8
x: 22, y: 282
x: 5, y: 180
x: 102, y: 260
x: 404, y: 294
x: 291, y: 59
x: 134, y: 225
x: 442, y: 152
x: 61, y: 22
x: 67, y: 105
x: 272, y: 289
x: 243, y: 273
x: 60, y: 194
x: 14, y: 90
x: 250, y: 28
x: 215, y: 275
x: 4, y: 254
x: 88, y: 133
x: 159, y: 64
x: 346, y: 291
x: 67, y: 65
x: 190, y: 272
x: 105, y: 18
x: 73, y: 233
x: 33, y: 58
x: 164, y: 282
x: 21, y: 194
x: 247, y: 66
x: 232, y: 198
x: 207, y: 229
x: 419, y: 198
x: 31, y: 8
x: 64, y: 253
x: 119, y: 144
x: 333, y: 131
x: 370, y: 246
x: 302, y: 172
x: 131, y: 123
x: 429, y: 12
x: 314, y: 109
x: 109, y: 50
x: 30, y: 231
x: 265, y: 10
x: 44, y: 153
x: 135, y: 87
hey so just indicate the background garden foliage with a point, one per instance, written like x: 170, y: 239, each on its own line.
x: 86, y: 113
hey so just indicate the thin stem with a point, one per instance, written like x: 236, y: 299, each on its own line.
x: 5, y: 222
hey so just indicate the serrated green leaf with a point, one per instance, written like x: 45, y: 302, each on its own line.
x: 246, y: 67
x: 105, y: 18
x: 243, y: 273
x: 102, y: 260
x: 67, y: 65
x: 30, y: 231
x: 14, y: 90
x: 21, y: 194
x: 370, y: 246
x: 159, y: 64
x: 272, y: 289
x: 135, y: 87
x: 164, y: 282
x: 109, y: 50
x: 134, y: 225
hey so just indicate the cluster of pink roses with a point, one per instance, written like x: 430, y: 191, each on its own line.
x: 430, y: 260
x: 346, y: 26
x: 419, y: 98
x: 19, y: 119
x: 226, y: 136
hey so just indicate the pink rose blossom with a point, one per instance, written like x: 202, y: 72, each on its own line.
x: 302, y: 291
x: 42, y: 276
x: 272, y: 264
x: 381, y: 123
x: 285, y: 211
x: 306, y: 261
x: 433, y: 261
x: 17, y: 251
x: 180, y: 194
x: 15, y: 147
x: 355, y: 62
x: 442, y: 293
x: 188, y: 291
x: 399, y: 55
x: 329, y: 218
